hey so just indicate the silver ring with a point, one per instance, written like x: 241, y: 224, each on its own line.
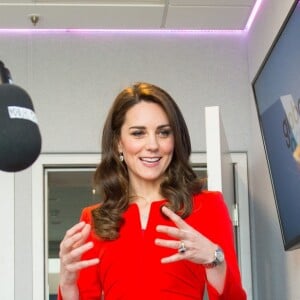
x: 182, y: 249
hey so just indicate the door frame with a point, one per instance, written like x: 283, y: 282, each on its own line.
x: 7, y: 232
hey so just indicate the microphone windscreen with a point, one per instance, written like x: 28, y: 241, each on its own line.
x: 20, y: 138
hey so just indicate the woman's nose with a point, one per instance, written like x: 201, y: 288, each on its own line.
x: 152, y: 142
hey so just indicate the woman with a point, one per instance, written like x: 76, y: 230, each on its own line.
x: 156, y: 234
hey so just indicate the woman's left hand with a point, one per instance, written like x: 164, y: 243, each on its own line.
x: 198, y: 248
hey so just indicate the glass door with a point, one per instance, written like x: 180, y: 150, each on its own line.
x: 67, y: 191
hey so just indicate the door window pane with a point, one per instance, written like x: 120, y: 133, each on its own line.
x: 68, y: 191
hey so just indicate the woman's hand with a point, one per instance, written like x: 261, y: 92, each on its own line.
x: 196, y: 247
x: 72, y: 247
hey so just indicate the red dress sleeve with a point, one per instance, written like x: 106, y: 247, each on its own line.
x: 221, y: 233
x: 88, y: 280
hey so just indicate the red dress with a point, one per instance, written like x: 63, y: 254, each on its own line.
x: 130, y: 267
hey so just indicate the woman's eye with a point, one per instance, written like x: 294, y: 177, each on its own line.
x: 137, y: 133
x: 165, y: 132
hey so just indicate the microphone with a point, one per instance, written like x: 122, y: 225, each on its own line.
x: 20, y: 138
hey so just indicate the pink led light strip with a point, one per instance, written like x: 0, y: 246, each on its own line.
x: 144, y: 31
x: 253, y: 14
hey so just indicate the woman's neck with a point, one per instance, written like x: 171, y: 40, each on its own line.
x: 145, y: 192
x: 145, y: 197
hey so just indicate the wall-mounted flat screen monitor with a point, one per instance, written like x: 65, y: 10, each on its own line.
x: 277, y: 95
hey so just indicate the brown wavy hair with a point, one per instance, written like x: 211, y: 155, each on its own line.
x: 111, y: 177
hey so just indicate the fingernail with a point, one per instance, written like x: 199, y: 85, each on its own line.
x: 90, y: 244
x: 163, y: 212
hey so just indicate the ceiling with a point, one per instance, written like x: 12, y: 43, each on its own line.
x: 126, y: 14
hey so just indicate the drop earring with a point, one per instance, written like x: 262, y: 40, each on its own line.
x: 121, y: 157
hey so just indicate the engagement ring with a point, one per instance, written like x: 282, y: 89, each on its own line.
x: 181, y: 248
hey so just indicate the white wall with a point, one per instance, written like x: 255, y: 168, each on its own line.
x: 73, y: 78
x: 277, y: 273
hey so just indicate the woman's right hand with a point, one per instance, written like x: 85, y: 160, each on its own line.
x: 72, y: 247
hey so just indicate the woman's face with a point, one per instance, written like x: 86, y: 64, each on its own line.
x: 147, y: 142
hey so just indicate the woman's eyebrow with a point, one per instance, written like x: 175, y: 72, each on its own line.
x: 143, y: 127
x: 137, y: 127
x: 165, y: 125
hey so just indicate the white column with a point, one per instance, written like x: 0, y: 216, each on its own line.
x: 219, y: 162
x: 7, y: 229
